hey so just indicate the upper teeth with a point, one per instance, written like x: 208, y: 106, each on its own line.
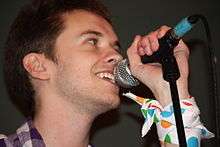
x: 106, y: 75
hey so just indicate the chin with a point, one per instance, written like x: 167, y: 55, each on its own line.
x: 115, y: 104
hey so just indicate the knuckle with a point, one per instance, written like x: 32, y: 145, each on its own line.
x: 163, y: 27
x: 144, y: 41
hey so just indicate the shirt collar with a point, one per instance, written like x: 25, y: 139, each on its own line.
x: 29, y: 136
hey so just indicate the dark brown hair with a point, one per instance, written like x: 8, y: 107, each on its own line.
x: 35, y: 29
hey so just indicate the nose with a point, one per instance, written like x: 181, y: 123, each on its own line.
x: 114, y: 57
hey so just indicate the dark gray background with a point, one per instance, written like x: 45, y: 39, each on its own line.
x: 121, y: 128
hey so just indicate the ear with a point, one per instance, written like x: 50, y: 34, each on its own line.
x: 36, y: 65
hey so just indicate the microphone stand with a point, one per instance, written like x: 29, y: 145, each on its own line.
x: 171, y: 74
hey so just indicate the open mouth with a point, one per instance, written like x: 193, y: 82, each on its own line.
x: 106, y: 76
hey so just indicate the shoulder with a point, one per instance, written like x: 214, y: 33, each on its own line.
x: 2, y: 136
x: 3, y: 140
x: 8, y: 141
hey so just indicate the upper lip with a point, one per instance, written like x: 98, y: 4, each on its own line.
x: 105, y: 71
x: 109, y: 69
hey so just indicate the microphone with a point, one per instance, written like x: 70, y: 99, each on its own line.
x: 167, y: 43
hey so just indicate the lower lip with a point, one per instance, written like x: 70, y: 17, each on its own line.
x: 109, y: 82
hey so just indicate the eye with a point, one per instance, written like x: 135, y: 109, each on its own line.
x: 117, y: 48
x: 93, y: 41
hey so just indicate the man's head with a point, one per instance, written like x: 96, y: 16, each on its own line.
x: 39, y: 51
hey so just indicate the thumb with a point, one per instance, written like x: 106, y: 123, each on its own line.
x: 132, y: 52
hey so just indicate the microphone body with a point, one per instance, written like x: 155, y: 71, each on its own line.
x: 164, y: 55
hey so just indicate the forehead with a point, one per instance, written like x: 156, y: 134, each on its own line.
x: 81, y: 20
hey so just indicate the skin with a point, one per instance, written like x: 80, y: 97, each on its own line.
x: 147, y: 45
x: 71, y: 95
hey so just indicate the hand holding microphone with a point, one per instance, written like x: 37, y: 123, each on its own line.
x: 150, y: 74
x: 161, y: 46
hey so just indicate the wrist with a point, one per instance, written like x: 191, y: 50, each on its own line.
x: 163, y: 93
x: 183, y: 90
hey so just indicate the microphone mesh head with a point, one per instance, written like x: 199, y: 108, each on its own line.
x: 123, y: 75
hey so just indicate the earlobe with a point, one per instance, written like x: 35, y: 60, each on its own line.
x: 35, y: 65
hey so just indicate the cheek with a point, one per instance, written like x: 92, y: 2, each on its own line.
x: 77, y: 73
x: 77, y: 68
x: 70, y: 81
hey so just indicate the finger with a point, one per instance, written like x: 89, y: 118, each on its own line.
x: 162, y: 31
x: 154, y: 44
x: 141, y: 51
x: 145, y: 44
x: 132, y: 52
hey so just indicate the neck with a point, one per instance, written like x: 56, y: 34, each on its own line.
x: 61, y: 126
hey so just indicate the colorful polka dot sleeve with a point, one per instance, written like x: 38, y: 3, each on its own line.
x: 164, y: 119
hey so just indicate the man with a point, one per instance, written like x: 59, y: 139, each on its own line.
x: 62, y: 54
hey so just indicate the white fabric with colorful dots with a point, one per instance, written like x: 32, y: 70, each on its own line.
x: 164, y: 119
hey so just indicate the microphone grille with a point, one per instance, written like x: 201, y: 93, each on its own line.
x: 123, y: 75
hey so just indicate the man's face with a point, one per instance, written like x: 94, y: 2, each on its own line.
x: 87, y: 52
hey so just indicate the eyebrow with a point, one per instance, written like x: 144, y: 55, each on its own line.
x: 99, y: 34
x: 91, y: 32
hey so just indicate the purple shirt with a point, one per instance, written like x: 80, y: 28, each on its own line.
x: 25, y: 136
